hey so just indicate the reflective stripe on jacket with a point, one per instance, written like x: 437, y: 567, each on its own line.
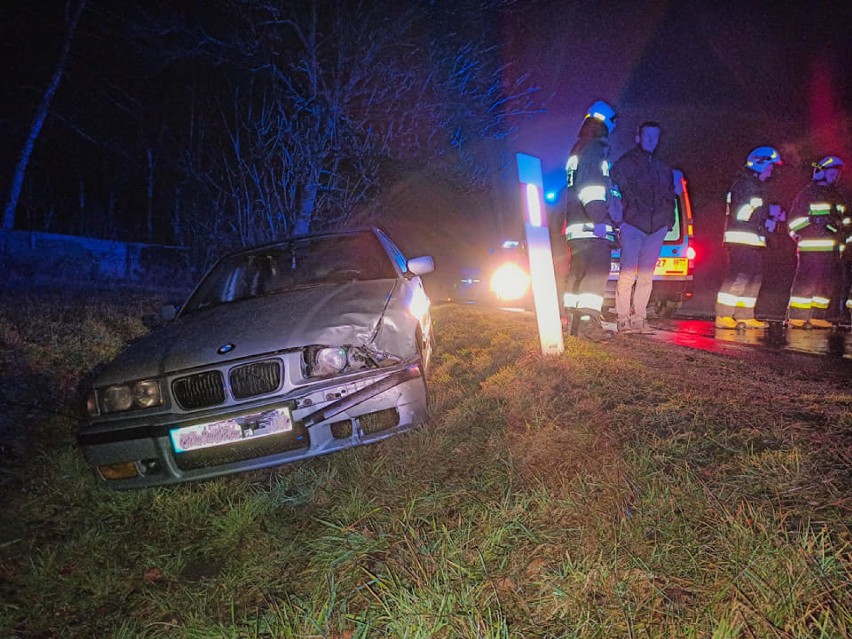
x: 746, y: 212
x: 588, y: 189
x: 819, y: 220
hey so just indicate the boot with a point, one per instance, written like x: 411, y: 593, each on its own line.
x: 796, y: 323
x: 640, y: 325
x: 591, y: 329
x: 836, y: 343
x: 775, y: 334
x: 725, y: 322
x: 625, y: 327
x: 819, y: 323
x: 572, y: 323
x: 754, y: 323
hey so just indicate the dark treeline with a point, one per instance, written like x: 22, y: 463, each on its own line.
x: 223, y: 124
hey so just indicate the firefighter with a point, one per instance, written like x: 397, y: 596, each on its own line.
x: 819, y: 221
x: 779, y: 269
x: 588, y: 227
x: 745, y: 238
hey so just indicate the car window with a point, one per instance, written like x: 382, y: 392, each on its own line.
x: 308, y: 262
x: 675, y: 233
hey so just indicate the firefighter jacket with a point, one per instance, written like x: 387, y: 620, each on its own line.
x: 588, y: 189
x: 747, y: 212
x: 647, y: 189
x: 820, y: 220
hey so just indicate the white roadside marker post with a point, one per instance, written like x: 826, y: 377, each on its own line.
x: 540, y: 256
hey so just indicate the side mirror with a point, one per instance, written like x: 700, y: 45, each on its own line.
x: 421, y: 265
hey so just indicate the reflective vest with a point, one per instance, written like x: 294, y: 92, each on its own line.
x: 588, y: 189
x: 820, y: 220
x: 747, y: 209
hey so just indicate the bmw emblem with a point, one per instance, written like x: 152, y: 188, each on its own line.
x: 225, y: 348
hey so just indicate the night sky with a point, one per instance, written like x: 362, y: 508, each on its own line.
x: 722, y: 77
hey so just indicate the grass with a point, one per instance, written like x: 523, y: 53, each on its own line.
x: 630, y: 489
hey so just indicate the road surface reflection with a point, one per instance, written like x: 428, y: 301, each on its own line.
x: 703, y: 335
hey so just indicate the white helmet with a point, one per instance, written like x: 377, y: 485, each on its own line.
x: 761, y: 157
x: 828, y: 162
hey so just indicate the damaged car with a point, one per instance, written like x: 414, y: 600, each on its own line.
x: 282, y: 352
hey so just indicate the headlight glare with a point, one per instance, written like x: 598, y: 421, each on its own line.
x: 510, y: 282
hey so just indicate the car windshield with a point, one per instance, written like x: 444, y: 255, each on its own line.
x: 301, y: 263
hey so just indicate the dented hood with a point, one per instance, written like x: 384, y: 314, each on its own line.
x: 368, y: 313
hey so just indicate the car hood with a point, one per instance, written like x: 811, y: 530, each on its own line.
x: 370, y: 313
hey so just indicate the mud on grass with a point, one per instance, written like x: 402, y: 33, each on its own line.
x: 607, y: 492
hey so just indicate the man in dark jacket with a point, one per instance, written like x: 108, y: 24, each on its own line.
x: 588, y: 228
x: 646, y: 184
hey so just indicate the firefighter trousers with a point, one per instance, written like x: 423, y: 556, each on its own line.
x: 779, y: 270
x: 816, y: 286
x: 738, y: 293
x: 587, y: 276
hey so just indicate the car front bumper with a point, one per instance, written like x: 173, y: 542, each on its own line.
x: 325, y: 418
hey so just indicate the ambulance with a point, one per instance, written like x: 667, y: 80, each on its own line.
x: 676, y: 264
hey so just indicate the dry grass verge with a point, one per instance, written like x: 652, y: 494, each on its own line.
x: 631, y: 489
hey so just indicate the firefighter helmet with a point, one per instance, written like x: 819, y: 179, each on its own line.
x: 828, y: 162
x: 761, y: 157
x: 602, y: 111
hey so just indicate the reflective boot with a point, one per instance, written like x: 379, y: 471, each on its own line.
x: 725, y: 322
x: 820, y: 323
x: 754, y: 323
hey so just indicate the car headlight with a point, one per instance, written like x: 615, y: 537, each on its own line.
x: 322, y: 361
x: 120, y: 397
x: 510, y: 282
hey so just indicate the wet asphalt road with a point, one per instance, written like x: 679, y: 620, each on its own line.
x: 819, y: 353
x: 703, y: 335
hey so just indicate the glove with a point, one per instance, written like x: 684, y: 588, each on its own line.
x: 600, y: 231
x: 770, y: 225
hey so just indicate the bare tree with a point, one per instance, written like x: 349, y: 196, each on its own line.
x: 72, y: 18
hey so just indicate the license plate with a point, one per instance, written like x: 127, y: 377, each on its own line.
x: 233, y: 430
x: 672, y: 266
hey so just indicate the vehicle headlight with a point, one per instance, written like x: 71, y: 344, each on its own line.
x: 120, y: 397
x: 510, y: 282
x: 322, y: 361
x: 147, y: 393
